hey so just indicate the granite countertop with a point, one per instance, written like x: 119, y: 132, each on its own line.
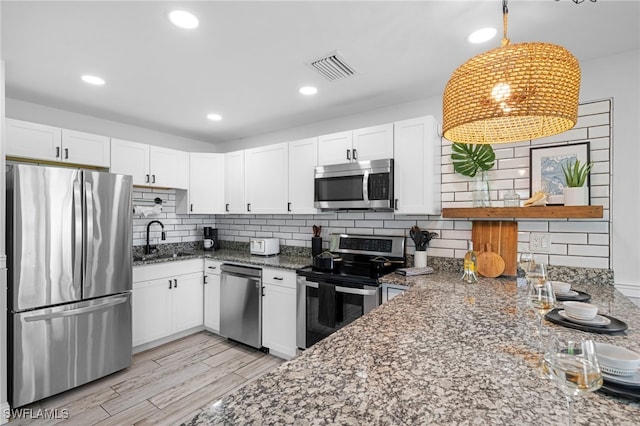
x: 279, y: 261
x: 444, y: 352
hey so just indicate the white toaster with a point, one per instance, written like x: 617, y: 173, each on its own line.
x: 265, y: 246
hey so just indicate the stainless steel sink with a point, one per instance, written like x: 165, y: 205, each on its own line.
x: 161, y: 256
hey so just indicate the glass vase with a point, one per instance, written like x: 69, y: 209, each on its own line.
x: 481, y: 193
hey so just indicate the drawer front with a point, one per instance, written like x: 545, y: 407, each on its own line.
x: 167, y: 269
x: 212, y: 267
x: 279, y: 277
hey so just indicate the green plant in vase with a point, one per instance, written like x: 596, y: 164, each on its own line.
x: 468, y: 160
x: 575, y: 175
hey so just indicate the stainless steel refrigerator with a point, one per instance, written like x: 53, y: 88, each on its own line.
x: 69, y: 239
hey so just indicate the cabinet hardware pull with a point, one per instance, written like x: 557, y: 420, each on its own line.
x: 205, y: 279
x: 278, y: 278
x: 153, y: 178
x: 57, y: 151
x: 395, y: 204
x: 226, y: 207
x: 355, y: 154
x: 175, y: 283
x: 191, y: 207
x: 288, y: 207
x: 66, y: 153
x: 169, y: 284
x: 248, y: 207
x: 146, y: 179
x: 212, y: 267
x: 348, y: 154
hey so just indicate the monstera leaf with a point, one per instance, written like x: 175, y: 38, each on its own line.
x: 469, y: 158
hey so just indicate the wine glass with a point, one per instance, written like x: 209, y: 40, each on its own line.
x: 537, y: 272
x: 526, y: 259
x: 570, y: 361
x: 541, y: 299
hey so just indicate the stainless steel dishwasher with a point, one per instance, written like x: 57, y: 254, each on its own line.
x: 241, y: 304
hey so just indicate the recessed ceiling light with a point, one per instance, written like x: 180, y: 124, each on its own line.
x: 214, y: 117
x: 183, y: 19
x: 92, y: 79
x: 482, y: 35
x: 308, y: 90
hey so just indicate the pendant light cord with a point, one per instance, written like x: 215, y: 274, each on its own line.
x: 505, y: 14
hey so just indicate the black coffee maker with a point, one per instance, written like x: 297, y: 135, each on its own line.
x: 210, y: 238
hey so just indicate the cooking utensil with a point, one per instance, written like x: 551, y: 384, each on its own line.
x: 316, y: 230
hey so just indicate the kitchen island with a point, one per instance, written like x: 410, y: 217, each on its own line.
x: 444, y: 352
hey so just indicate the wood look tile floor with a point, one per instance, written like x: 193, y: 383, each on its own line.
x: 165, y: 385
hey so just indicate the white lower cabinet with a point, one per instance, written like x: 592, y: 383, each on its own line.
x: 167, y: 299
x: 212, y: 295
x: 279, y: 312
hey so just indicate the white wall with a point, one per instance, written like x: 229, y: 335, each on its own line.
x: 85, y: 123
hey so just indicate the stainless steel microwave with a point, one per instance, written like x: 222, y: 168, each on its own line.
x: 358, y: 185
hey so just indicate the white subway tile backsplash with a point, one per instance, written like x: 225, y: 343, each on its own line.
x: 599, y: 132
x: 568, y: 238
x: 594, y: 107
x: 579, y: 226
x: 579, y: 261
x: 600, y: 239
x: 588, y: 250
x: 593, y: 120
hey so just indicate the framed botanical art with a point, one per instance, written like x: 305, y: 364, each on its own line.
x: 545, y: 168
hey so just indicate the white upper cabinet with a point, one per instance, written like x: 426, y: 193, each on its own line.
x: 150, y: 165
x: 303, y: 157
x: 131, y: 158
x: 417, y: 164
x: 206, y: 183
x: 373, y: 143
x: 41, y: 142
x: 169, y: 167
x: 335, y: 148
x: 234, y: 182
x: 267, y: 179
x: 369, y: 143
x: 85, y: 148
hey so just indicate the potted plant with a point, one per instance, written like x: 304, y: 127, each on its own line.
x: 467, y: 160
x: 576, y: 193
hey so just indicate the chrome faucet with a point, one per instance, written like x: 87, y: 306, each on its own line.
x: 147, y: 249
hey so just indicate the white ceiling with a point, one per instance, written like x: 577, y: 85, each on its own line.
x: 247, y: 60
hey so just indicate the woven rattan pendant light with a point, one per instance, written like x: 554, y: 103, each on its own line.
x: 512, y: 93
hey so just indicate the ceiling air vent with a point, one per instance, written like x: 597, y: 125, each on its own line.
x: 333, y: 67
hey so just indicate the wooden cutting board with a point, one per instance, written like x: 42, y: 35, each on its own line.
x: 503, y: 241
x: 490, y: 264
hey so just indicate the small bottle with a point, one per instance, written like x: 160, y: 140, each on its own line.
x: 470, y: 260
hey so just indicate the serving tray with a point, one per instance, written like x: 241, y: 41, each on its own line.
x: 616, y: 326
x: 622, y: 391
x: 580, y: 297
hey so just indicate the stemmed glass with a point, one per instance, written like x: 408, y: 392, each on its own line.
x: 540, y: 295
x: 526, y: 259
x: 571, y: 362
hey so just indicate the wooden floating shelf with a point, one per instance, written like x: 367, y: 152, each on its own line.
x: 547, y: 212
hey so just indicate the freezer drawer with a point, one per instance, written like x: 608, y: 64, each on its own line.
x: 56, y: 349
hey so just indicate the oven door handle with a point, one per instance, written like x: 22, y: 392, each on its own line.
x: 347, y: 290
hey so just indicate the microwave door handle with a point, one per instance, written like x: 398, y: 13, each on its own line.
x: 365, y: 186
x: 347, y: 290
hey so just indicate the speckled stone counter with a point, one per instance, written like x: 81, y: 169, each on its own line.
x: 280, y: 261
x: 444, y: 352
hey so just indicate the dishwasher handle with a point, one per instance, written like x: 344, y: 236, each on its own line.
x: 254, y: 274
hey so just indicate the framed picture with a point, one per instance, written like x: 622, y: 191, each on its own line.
x: 545, y: 168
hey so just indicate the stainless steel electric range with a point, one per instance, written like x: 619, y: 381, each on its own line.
x: 342, y: 284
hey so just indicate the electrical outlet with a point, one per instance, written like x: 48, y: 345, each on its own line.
x: 540, y: 242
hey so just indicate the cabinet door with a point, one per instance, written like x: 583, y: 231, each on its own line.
x: 131, y: 158
x: 186, y: 301
x: 373, y: 143
x: 31, y: 140
x: 279, y: 320
x: 234, y: 182
x: 169, y: 167
x: 85, y: 148
x: 417, y: 166
x: 206, y: 183
x: 266, y: 179
x: 303, y: 157
x: 150, y: 311
x: 335, y: 148
x: 212, y: 295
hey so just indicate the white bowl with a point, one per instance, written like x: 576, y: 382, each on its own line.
x: 580, y: 310
x: 560, y: 288
x: 617, y: 358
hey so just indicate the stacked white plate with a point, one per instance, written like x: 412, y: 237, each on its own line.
x: 618, y: 361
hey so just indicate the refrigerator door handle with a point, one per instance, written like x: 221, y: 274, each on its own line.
x: 77, y: 230
x: 88, y: 248
x: 79, y: 311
